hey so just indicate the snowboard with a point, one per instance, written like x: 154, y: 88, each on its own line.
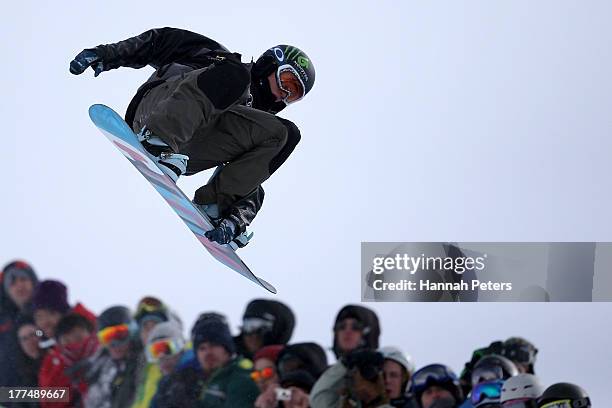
x: 123, y: 138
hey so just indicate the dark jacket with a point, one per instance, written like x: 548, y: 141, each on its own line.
x: 172, y: 52
x: 10, y: 351
x: 228, y: 387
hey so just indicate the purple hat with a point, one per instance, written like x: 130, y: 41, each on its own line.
x: 52, y: 295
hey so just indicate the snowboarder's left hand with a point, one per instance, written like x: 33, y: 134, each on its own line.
x: 85, y: 59
x: 223, y: 234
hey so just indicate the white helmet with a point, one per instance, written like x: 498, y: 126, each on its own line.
x: 395, y: 354
x: 521, y: 386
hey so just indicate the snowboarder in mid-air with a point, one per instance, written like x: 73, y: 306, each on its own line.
x: 204, y: 108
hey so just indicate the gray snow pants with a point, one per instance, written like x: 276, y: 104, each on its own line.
x: 199, y: 114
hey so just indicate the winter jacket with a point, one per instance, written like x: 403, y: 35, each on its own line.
x: 112, y: 383
x: 54, y: 372
x: 228, y: 387
x: 9, y: 345
x: 173, y: 52
x: 146, y: 385
x: 326, y: 391
x: 169, y: 387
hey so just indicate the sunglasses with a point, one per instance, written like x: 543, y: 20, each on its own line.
x: 254, y: 324
x: 263, y: 374
x: 114, y: 335
x: 162, y: 348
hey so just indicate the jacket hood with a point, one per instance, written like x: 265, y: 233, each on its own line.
x: 6, y: 303
x: 365, y: 316
x: 277, y: 314
x: 309, y: 357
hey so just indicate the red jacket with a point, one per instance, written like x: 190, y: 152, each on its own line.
x: 63, y: 366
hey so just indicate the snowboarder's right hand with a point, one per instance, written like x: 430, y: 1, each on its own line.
x: 84, y: 59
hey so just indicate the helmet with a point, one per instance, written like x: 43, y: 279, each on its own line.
x: 114, y: 316
x: 564, y: 395
x: 493, y: 367
x: 295, y: 58
x: 486, y: 394
x: 436, y: 374
x: 521, y: 387
x: 395, y: 354
x: 277, y: 60
x: 520, y: 351
x: 150, y: 307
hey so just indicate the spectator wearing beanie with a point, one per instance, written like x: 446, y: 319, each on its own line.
x: 227, y: 383
x: 50, y: 304
x: 215, y: 377
x: 17, y: 282
x: 150, y: 312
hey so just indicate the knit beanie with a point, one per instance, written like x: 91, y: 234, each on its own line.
x: 215, y: 332
x: 51, y: 295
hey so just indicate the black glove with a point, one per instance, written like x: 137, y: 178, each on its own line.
x: 223, y: 234
x: 87, y: 58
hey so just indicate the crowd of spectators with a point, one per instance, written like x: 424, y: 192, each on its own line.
x: 140, y: 358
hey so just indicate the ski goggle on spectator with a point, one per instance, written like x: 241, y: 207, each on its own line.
x: 150, y: 304
x: 520, y: 403
x: 255, y: 324
x: 487, y: 373
x: 163, y: 348
x: 289, y: 81
x: 521, y: 354
x: 263, y: 374
x: 582, y: 403
x: 488, y: 390
x: 431, y: 375
x: 114, y: 335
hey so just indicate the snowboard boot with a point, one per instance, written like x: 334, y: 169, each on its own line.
x: 172, y: 164
x: 212, y: 212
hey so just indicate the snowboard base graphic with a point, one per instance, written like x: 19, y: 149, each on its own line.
x: 124, y: 139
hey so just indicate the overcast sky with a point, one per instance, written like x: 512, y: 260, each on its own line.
x: 429, y: 121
